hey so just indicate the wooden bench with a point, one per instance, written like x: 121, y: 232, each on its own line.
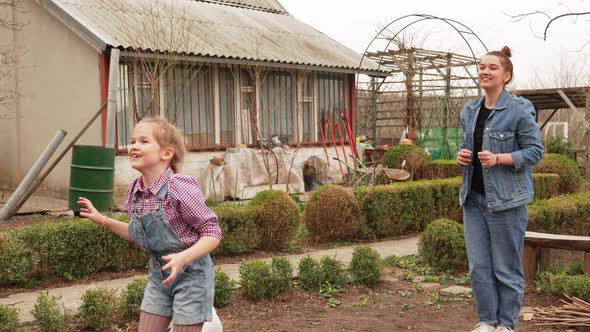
x: 535, y: 243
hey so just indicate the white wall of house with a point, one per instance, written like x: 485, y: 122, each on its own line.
x: 58, y: 78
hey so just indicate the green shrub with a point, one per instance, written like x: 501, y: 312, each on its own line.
x: 309, y: 276
x: 440, y: 169
x: 545, y: 185
x: 298, y: 201
x: 69, y: 249
x: 570, y: 178
x: 224, y: 287
x: 281, y: 275
x: 278, y: 218
x: 558, y: 284
x: 576, y: 267
x: 442, y: 245
x: 567, y: 215
x: 99, y: 309
x: 332, y: 213
x: 331, y: 271
x: 131, y: 298
x: 314, y: 274
x: 8, y: 318
x: 406, y: 208
x: 238, y: 225
x: 390, y: 261
x: 559, y: 145
x: 49, y: 313
x: 414, y: 156
x: 365, y: 267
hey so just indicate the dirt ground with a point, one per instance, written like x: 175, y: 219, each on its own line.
x: 379, y: 308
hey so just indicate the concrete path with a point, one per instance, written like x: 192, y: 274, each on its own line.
x: 71, y: 296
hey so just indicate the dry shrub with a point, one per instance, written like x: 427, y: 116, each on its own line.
x: 414, y: 156
x: 278, y: 218
x: 332, y: 213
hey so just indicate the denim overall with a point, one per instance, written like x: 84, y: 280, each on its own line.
x: 189, y: 298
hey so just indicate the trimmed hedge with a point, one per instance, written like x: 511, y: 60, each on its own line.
x: 238, y: 225
x: 69, y: 249
x: 559, y: 284
x: 440, y: 169
x: 566, y: 215
x: 570, y: 178
x: 407, y: 207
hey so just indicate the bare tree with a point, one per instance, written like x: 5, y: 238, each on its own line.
x: 10, y: 54
x: 168, y: 33
x: 551, y: 20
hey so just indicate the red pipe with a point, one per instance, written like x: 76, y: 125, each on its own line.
x: 335, y: 146
x: 324, y: 143
x: 341, y: 141
x: 352, y: 139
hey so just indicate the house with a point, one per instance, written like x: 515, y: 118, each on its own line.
x: 228, y: 73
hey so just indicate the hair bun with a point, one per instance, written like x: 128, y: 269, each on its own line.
x: 506, y: 50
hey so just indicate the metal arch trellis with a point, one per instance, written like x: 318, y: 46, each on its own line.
x: 459, y: 27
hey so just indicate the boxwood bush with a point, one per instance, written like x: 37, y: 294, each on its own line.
x: 69, y: 249
x: 440, y: 169
x: 278, y: 218
x: 332, y: 213
x: 570, y: 178
x: 568, y: 215
x: 405, y: 208
x: 238, y: 225
x: 442, y: 245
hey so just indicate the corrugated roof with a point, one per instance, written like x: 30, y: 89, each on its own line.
x: 208, y: 29
x: 269, y: 5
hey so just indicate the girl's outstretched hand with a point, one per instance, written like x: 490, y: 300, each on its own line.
x: 175, y: 262
x: 89, y: 211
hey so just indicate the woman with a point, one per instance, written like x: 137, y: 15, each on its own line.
x: 501, y: 141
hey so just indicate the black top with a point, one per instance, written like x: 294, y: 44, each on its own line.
x: 477, y: 178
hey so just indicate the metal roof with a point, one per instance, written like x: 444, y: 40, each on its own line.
x: 544, y: 99
x: 251, y: 30
x: 268, y: 5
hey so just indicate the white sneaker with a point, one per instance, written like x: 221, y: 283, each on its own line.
x: 484, y: 327
x: 501, y: 328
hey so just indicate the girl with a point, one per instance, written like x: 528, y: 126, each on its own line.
x: 169, y: 219
x: 501, y: 141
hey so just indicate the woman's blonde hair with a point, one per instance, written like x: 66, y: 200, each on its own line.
x: 168, y: 136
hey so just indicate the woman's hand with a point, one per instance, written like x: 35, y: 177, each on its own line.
x: 175, y: 262
x: 88, y: 211
x: 486, y: 158
x: 464, y: 157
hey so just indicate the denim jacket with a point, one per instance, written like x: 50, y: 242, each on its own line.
x: 510, y: 128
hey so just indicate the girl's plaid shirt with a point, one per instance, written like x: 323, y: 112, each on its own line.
x: 186, y: 212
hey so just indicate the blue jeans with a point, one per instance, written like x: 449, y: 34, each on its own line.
x: 494, y: 243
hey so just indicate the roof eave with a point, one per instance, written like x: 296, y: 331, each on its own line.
x: 273, y: 64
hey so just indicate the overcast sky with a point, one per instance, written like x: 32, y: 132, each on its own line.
x: 536, y: 62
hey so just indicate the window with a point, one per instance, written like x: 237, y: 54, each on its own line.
x: 332, y: 99
x: 183, y: 94
x: 276, y: 111
x: 227, y: 105
x: 217, y: 105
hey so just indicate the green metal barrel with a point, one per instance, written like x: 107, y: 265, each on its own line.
x: 92, y: 176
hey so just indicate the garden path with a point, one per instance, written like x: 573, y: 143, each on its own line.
x: 71, y: 296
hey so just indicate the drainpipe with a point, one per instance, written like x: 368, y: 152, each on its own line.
x: 112, y: 98
x: 12, y: 205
